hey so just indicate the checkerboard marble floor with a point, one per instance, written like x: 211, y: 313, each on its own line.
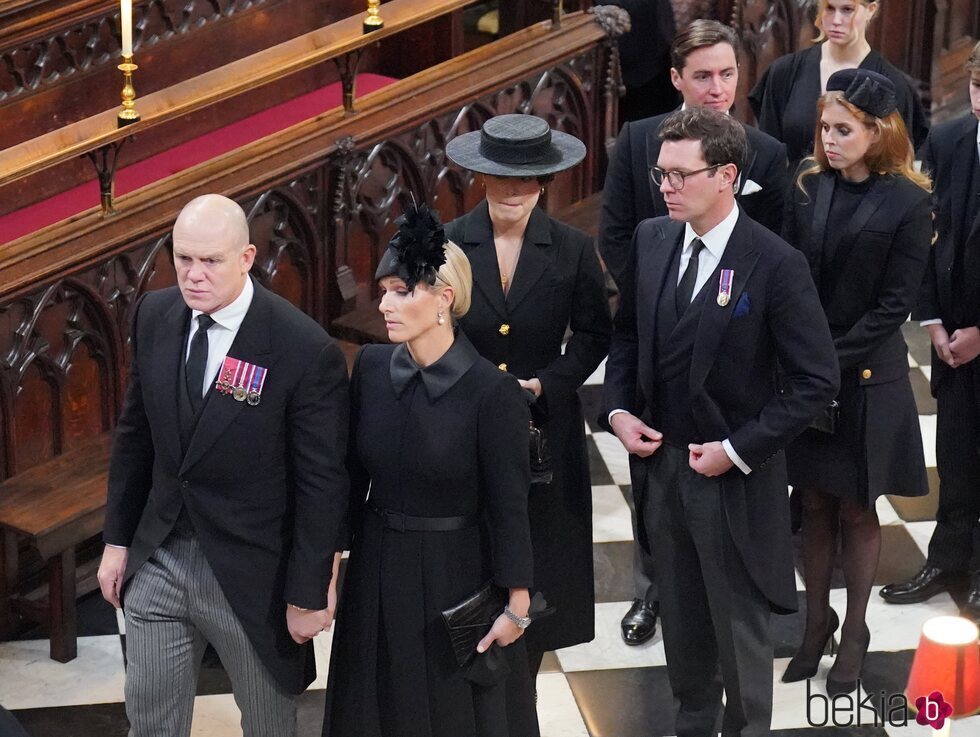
x: 600, y: 689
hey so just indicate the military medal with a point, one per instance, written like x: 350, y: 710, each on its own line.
x: 225, y: 377
x: 725, y: 286
x: 255, y: 388
x: 241, y: 389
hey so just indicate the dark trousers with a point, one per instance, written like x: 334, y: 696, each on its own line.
x: 644, y: 571
x: 955, y: 543
x: 715, y: 619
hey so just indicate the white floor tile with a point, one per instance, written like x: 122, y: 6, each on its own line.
x: 598, y: 376
x: 216, y: 716
x: 886, y: 512
x: 121, y: 621
x: 896, y: 627
x: 921, y: 532
x: 608, y: 650
x: 321, y: 650
x: 927, y: 370
x: 912, y: 362
x: 614, y: 455
x: 96, y: 676
x: 558, y: 714
x: 610, y: 515
x: 927, y: 424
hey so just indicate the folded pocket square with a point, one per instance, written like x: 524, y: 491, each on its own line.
x: 751, y: 187
x: 743, y: 307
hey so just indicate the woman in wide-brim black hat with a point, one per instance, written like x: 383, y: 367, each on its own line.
x: 534, y: 277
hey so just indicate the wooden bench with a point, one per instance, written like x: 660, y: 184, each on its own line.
x: 54, y: 506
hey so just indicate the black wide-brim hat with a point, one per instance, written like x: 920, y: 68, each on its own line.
x: 516, y: 146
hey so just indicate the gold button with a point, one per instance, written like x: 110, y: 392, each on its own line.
x: 866, y: 374
x: 504, y: 329
x: 502, y: 366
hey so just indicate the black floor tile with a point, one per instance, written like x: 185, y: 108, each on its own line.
x: 309, y: 716
x: 924, y: 401
x: 592, y: 405
x: 919, y: 344
x: 91, y: 720
x: 95, y: 615
x: 613, y: 564
x: 597, y: 467
x: 900, y: 556
x: 634, y: 702
x: 213, y: 679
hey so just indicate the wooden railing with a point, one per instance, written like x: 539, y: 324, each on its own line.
x: 321, y: 197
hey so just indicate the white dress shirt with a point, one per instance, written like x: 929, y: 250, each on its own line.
x: 222, y: 334
x: 715, y: 241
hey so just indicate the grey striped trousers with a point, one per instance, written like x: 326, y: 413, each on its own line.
x: 174, y: 607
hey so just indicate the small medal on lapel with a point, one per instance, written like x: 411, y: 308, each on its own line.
x: 725, y: 286
x: 255, y: 389
x: 241, y: 388
x: 227, y: 374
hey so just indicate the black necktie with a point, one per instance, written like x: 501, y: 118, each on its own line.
x: 685, y: 289
x: 197, y: 361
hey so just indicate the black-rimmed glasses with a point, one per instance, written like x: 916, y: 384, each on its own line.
x: 676, y: 178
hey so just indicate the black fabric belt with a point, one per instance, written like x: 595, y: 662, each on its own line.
x: 408, y: 523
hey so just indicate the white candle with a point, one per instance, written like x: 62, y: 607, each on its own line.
x: 126, y: 23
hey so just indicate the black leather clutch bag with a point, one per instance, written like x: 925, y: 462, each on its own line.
x: 469, y: 621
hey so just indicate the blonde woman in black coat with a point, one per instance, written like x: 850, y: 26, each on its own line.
x: 861, y: 215
x: 533, y: 279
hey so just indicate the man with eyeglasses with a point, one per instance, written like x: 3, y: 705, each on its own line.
x: 705, y: 72
x: 716, y: 302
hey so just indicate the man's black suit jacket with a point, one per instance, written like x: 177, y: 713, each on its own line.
x: 948, y: 155
x: 630, y: 196
x: 265, y: 486
x: 773, y: 318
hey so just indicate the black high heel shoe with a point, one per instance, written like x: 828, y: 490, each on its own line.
x: 836, y: 687
x: 800, y: 668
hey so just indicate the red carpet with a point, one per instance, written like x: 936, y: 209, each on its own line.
x: 188, y: 154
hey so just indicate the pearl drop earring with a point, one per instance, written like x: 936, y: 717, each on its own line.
x: 442, y: 319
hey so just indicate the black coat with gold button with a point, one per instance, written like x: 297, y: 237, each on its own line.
x: 557, y: 285
x: 868, y: 270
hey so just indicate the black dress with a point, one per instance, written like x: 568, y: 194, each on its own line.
x: 867, y: 245
x: 785, y: 97
x: 447, y: 440
x: 557, y: 285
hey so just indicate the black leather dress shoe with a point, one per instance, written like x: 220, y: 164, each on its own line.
x: 922, y: 586
x: 972, y: 606
x: 640, y: 622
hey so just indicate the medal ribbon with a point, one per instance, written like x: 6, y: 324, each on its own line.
x: 725, y: 282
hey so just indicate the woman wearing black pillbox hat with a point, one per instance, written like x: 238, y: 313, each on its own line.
x: 862, y: 216
x: 533, y: 279
x: 783, y: 100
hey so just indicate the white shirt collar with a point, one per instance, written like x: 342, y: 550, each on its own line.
x: 230, y: 316
x: 715, y: 239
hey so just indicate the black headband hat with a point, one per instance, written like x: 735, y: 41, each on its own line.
x: 417, y: 250
x: 866, y: 90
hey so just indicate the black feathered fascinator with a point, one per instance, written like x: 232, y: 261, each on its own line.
x: 417, y: 250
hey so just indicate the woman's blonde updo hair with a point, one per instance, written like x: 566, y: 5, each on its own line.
x: 822, y: 8
x: 456, y: 273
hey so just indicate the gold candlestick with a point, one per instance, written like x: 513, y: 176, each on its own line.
x: 373, y: 21
x: 128, y: 114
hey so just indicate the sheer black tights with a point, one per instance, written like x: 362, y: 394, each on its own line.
x: 824, y: 518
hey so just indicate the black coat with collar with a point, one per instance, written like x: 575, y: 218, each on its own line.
x: 877, y: 266
x: 557, y: 285
x: 733, y: 376
x: 265, y: 486
x: 948, y: 155
x: 629, y: 195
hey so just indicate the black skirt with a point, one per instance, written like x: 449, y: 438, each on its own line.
x: 876, y: 450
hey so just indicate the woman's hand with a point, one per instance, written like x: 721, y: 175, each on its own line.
x: 533, y: 385
x: 504, y: 632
